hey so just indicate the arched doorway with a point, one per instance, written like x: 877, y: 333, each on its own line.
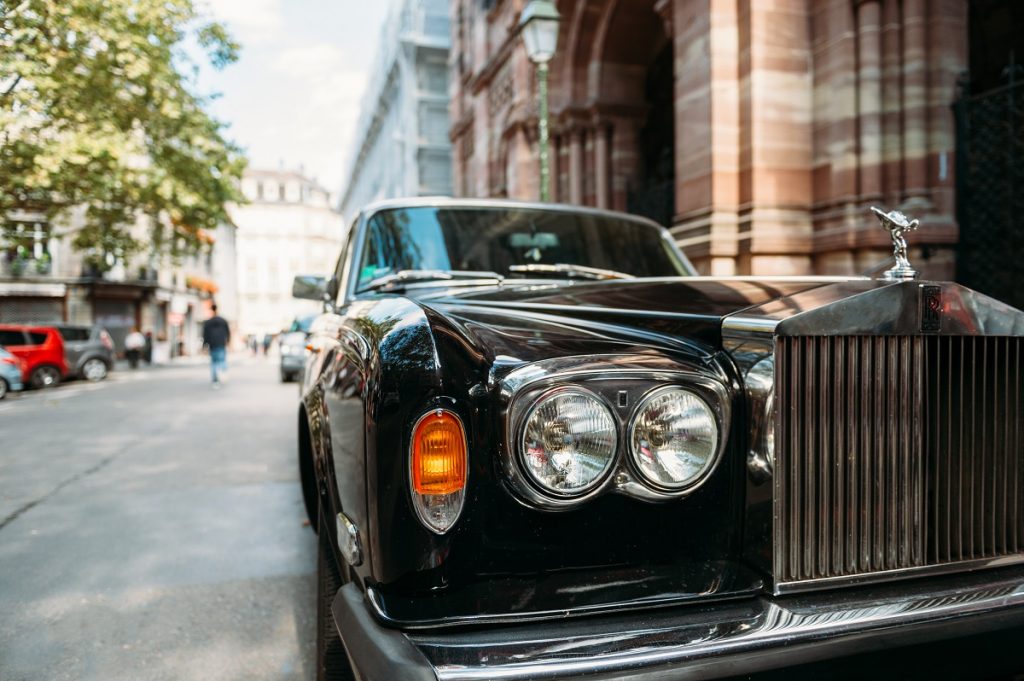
x: 633, y: 77
x: 652, y: 192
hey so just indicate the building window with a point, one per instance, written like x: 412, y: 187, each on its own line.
x: 433, y: 124
x: 280, y: 191
x: 25, y: 243
x: 435, y: 78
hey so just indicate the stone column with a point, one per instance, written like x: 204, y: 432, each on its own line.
x: 706, y: 50
x: 869, y: 48
x: 588, y: 166
x: 947, y: 60
x: 601, y: 165
x: 623, y: 159
x: 775, y: 142
x: 915, y: 101
x: 576, y: 166
x: 892, y: 104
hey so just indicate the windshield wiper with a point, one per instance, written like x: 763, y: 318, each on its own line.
x: 398, y: 280
x: 566, y: 268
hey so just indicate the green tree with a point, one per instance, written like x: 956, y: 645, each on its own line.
x: 99, y: 111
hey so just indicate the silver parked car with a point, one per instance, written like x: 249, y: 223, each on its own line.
x: 10, y: 373
x: 292, y: 345
x: 89, y: 350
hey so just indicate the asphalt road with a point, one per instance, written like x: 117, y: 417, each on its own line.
x: 152, y: 528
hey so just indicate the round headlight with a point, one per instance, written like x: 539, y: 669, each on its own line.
x: 673, y: 438
x: 568, y: 442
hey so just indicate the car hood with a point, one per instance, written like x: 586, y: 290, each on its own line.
x: 536, y: 320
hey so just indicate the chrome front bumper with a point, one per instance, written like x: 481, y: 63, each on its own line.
x: 723, y: 639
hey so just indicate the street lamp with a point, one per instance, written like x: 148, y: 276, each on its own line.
x: 539, y: 26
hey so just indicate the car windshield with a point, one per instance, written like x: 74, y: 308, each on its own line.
x: 516, y: 242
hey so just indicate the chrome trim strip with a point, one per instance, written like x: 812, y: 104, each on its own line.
x: 893, y: 575
x: 686, y: 638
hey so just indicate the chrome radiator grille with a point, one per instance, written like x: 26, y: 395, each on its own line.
x: 896, y: 452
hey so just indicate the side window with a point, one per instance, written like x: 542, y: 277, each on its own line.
x: 12, y: 338
x: 36, y: 338
x: 371, y: 266
x: 74, y: 334
x: 342, y: 270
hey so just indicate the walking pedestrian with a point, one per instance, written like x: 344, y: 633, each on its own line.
x: 267, y: 340
x: 134, y: 342
x: 216, y: 335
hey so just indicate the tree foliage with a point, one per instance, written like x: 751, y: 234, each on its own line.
x: 98, y: 111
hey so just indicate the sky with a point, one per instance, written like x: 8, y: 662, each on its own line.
x: 293, y: 96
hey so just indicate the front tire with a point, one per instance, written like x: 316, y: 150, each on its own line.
x: 3, y: 388
x: 331, y: 660
x: 45, y: 377
x: 94, y: 369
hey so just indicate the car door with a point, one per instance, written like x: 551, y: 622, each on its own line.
x: 76, y: 342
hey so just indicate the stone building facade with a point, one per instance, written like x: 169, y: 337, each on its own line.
x: 758, y: 131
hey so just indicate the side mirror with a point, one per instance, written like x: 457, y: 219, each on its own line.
x: 310, y: 287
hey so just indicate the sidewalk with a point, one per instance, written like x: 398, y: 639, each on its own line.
x: 239, y: 357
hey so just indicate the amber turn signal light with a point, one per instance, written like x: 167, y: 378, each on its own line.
x: 438, y: 454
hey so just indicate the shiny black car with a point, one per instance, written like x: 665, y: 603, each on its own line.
x: 535, y: 445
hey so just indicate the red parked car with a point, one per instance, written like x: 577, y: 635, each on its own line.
x: 41, y: 348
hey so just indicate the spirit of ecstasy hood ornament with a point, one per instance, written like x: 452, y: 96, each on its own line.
x: 897, y: 223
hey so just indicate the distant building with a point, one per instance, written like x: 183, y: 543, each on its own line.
x: 761, y: 132
x: 42, y: 279
x: 289, y: 227
x: 401, y: 143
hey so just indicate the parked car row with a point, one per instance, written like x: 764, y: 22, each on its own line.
x: 43, y: 355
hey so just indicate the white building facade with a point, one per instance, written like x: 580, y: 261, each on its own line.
x: 402, y: 146
x: 289, y: 227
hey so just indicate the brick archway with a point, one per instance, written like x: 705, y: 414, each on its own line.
x: 605, y: 105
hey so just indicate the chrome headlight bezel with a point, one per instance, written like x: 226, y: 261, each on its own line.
x: 716, y: 454
x: 607, y: 377
x: 521, y: 445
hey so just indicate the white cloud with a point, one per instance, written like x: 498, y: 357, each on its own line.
x: 331, y: 92
x: 253, y: 21
x: 295, y: 94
